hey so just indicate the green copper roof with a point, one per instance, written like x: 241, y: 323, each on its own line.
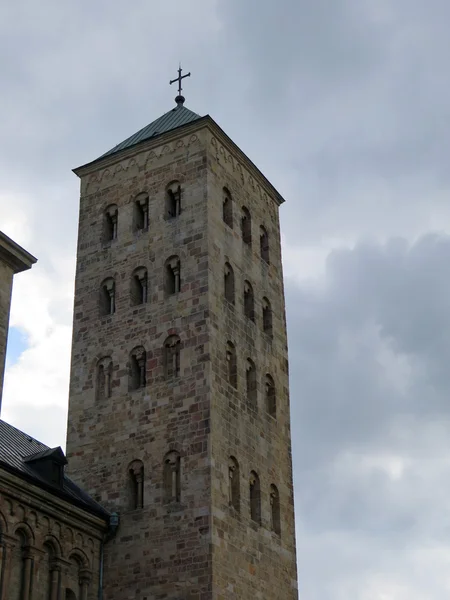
x: 176, y: 117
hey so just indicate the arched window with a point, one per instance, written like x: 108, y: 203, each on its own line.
x: 108, y: 297
x: 139, y: 286
x: 110, y: 222
x: 234, y: 496
x: 275, y: 510
x: 50, y: 570
x: 104, y: 378
x: 172, y: 275
x: 138, y: 359
x: 264, y: 244
x: 267, y: 316
x: 140, y: 212
x: 251, y: 383
x: 172, y: 353
x: 271, y: 399
x: 20, y: 574
x: 69, y: 595
x: 246, y: 226
x: 136, y: 484
x: 255, y: 498
x: 227, y: 208
x: 249, y: 301
x: 173, y: 200
x: 229, y: 283
x: 172, y: 489
x: 231, y: 365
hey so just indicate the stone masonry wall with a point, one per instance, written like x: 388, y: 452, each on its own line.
x: 48, y: 546
x: 6, y: 281
x: 161, y: 550
x: 249, y: 560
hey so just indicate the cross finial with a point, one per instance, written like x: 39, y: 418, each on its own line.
x: 179, y: 99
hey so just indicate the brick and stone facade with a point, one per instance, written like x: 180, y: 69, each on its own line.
x: 50, y: 549
x: 169, y: 421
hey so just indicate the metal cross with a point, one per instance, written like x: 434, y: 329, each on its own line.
x: 179, y: 78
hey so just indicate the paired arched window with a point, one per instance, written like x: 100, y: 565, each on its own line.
x: 140, y: 212
x: 172, y: 353
x: 246, y: 226
x: 227, y: 208
x: 250, y: 373
x: 233, y: 483
x: 139, y: 286
x: 173, y: 200
x: 275, y: 520
x: 171, y: 476
x: 229, y: 283
x: 172, y: 275
x: 271, y: 399
x: 231, y: 365
x: 267, y: 316
x: 249, y: 301
x: 107, y: 297
x: 255, y: 498
x: 110, y: 222
x: 20, y: 575
x: 104, y: 378
x: 136, y: 484
x: 137, y: 368
x: 264, y: 244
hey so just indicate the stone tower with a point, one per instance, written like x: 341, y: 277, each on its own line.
x: 179, y: 398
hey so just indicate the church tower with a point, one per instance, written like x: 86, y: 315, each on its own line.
x: 179, y: 396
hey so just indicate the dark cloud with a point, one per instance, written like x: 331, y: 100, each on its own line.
x: 369, y: 354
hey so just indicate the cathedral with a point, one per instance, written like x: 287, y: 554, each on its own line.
x: 177, y: 478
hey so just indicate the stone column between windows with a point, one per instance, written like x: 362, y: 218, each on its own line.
x: 55, y: 580
x: 5, y: 566
x: 85, y: 578
x: 28, y: 557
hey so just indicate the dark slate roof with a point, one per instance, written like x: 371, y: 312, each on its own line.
x: 17, y: 447
x: 177, y: 117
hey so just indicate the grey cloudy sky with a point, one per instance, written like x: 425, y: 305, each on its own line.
x: 345, y: 106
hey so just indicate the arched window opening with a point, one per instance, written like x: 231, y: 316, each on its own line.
x: 140, y: 213
x: 267, y: 317
x: 172, y: 489
x: 69, y: 595
x: 229, y: 283
x: 271, y: 399
x: 227, y: 208
x: 246, y: 226
x: 108, y: 297
x: 110, y: 221
x: 137, y: 373
x: 255, y: 498
x: 104, y: 378
x: 275, y: 510
x: 173, y: 200
x: 50, y: 571
x: 231, y: 365
x: 20, y: 574
x: 136, y: 484
x: 251, y: 383
x: 264, y: 244
x: 233, y: 483
x: 139, y: 286
x: 172, y: 357
x: 172, y: 275
x: 249, y: 301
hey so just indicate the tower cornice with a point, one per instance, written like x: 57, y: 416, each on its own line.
x: 206, y: 122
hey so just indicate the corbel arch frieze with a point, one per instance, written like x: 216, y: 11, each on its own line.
x: 232, y: 164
